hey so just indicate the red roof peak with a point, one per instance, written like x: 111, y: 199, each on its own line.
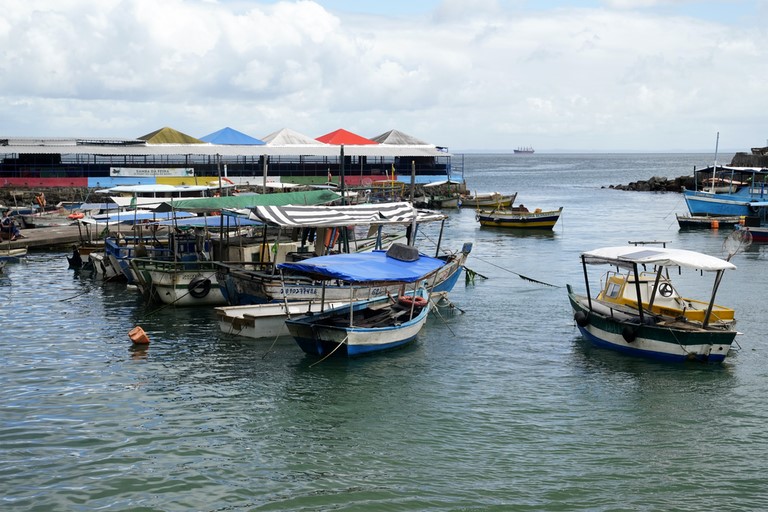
x: 342, y: 136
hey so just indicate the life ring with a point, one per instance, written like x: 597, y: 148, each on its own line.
x: 581, y: 318
x: 412, y: 300
x: 75, y: 216
x: 199, y: 287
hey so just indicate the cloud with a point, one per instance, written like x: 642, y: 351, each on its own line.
x: 490, y: 77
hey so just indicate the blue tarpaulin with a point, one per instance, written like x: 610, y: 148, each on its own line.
x: 366, y: 267
x: 138, y: 217
x: 214, y: 221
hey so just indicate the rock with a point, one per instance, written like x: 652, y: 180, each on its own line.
x: 658, y: 184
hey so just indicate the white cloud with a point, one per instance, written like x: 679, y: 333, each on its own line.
x: 481, y: 78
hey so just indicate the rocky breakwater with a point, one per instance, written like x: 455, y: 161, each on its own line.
x: 658, y: 184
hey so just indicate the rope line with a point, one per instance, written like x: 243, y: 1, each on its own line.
x: 521, y: 276
x: 329, y: 354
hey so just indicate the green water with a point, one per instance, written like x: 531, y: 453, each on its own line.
x: 501, y: 407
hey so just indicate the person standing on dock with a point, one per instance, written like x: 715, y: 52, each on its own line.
x: 7, y: 225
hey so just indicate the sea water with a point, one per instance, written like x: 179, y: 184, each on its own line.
x: 499, y: 405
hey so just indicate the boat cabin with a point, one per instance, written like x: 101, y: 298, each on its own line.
x: 621, y: 289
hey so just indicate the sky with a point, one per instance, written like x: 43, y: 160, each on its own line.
x: 485, y: 75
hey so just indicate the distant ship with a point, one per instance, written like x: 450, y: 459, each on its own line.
x: 524, y: 150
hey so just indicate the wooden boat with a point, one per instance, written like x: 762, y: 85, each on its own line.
x: 709, y: 221
x: 488, y: 200
x: 757, y: 233
x: 443, y: 194
x: 444, y: 201
x: 745, y: 195
x: 663, y: 324
x: 519, y: 217
x: 372, y: 325
x: 252, y: 283
x: 12, y: 255
x: 181, y: 283
x: 266, y: 320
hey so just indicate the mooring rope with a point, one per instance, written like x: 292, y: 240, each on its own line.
x: 521, y: 276
x: 437, y: 310
x: 271, y: 346
x: 329, y: 354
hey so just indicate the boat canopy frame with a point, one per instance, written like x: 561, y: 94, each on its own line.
x: 631, y: 258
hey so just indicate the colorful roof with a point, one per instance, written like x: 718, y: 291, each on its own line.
x: 229, y: 136
x: 168, y: 135
x: 398, y: 138
x: 342, y: 136
x: 288, y: 137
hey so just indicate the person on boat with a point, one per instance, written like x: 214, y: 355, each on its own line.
x: 522, y: 208
x: 7, y: 225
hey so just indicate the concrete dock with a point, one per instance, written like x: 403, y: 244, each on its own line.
x: 47, y: 238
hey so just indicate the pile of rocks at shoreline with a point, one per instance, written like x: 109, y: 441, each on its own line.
x: 658, y: 184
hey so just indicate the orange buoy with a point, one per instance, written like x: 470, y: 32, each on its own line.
x: 75, y: 216
x: 715, y: 224
x: 138, y: 336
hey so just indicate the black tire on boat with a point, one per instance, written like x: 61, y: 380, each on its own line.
x: 199, y: 287
x: 582, y: 319
x: 629, y: 334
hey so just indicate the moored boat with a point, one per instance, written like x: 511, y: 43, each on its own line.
x: 331, y: 226
x: 266, y: 320
x: 488, y: 200
x: 180, y: 283
x: 372, y: 325
x: 757, y: 233
x: 519, y: 218
x: 8, y: 254
x: 746, y: 193
x: 710, y: 221
x: 662, y: 324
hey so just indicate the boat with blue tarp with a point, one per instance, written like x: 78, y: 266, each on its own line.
x: 366, y: 326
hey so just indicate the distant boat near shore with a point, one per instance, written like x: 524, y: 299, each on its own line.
x: 524, y: 150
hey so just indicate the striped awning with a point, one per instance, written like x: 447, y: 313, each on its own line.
x: 334, y: 216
